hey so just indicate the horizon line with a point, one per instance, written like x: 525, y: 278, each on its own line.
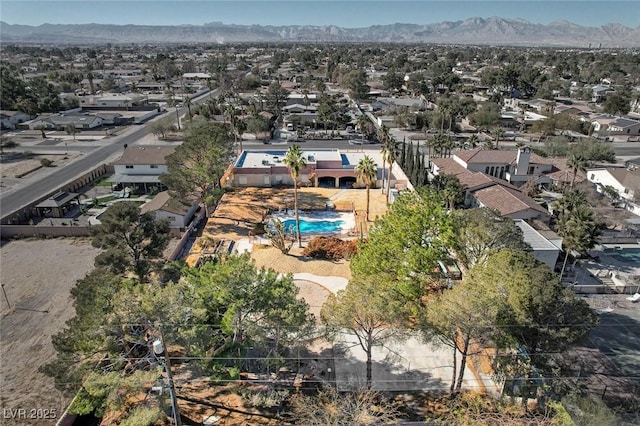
x: 321, y: 25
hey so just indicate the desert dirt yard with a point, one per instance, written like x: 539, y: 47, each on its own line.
x: 37, y: 276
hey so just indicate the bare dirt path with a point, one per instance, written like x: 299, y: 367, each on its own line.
x: 37, y: 276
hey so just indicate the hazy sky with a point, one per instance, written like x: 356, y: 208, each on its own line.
x: 350, y: 13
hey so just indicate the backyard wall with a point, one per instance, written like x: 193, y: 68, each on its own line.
x: 24, y: 231
x: 24, y: 214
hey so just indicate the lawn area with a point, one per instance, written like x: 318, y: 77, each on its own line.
x: 103, y: 182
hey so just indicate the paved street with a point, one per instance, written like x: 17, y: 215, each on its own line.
x: 12, y: 201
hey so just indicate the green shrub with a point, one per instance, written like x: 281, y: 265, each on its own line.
x: 45, y: 162
x: 143, y: 416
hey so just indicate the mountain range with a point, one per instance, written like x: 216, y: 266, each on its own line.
x: 475, y: 31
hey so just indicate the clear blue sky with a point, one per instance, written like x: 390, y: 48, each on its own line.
x: 350, y: 13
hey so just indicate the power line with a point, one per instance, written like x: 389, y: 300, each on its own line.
x: 216, y: 326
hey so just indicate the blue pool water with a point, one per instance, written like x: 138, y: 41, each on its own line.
x: 316, y: 226
x: 627, y: 255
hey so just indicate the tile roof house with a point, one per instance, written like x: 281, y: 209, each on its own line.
x: 514, y: 166
x: 305, y: 115
x: 140, y: 167
x: 510, y: 203
x: 163, y: 206
x: 482, y: 190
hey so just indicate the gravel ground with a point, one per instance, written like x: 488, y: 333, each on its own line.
x: 37, y: 276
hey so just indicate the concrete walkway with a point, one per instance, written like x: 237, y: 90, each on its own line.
x: 333, y: 284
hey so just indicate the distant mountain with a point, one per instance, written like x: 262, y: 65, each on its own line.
x: 493, y: 31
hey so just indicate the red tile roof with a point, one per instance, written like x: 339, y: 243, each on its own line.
x: 507, y: 200
x: 561, y: 172
x: 479, y: 155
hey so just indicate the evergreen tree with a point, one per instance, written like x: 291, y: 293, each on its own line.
x: 409, y: 161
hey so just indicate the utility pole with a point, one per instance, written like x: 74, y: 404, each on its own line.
x: 159, y: 348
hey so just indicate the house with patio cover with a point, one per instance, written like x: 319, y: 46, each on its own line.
x: 329, y: 168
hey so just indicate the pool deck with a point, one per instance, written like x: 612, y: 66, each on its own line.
x: 240, y: 210
x: 608, y: 270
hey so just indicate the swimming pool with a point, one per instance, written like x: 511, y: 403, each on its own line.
x: 318, y: 222
x: 625, y: 255
x: 315, y: 227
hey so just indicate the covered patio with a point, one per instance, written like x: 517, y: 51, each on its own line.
x: 139, y: 184
x: 58, y: 205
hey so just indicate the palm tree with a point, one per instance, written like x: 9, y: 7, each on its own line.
x: 241, y: 127
x: 570, y: 201
x: 451, y: 189
x: 390, y: 150
x: 363, y: 125
x: 89, y: 76
x: 295, y: 162
x: 579, y: 231
x: 187, y: 103
x: 230, y: 115
x: 611, y: 193
x: 453, y: 192
x: 577, y: 163
x: 367, y: 171
x: 498, y: 133
x: 472, y: 141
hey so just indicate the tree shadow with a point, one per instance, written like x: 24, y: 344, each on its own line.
x: 391, y: 370
x: 607, y: 364
x: 13, y: 157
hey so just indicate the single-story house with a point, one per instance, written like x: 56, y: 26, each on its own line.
x: 10, y: 119
x: 112, y: 118
x: 80, y: 121
x: 163, y: 206
x: 325, y: 168
x: 416, y: 103
x: 196, y: 76
x: 624, y: 126
x: 108, y: 100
